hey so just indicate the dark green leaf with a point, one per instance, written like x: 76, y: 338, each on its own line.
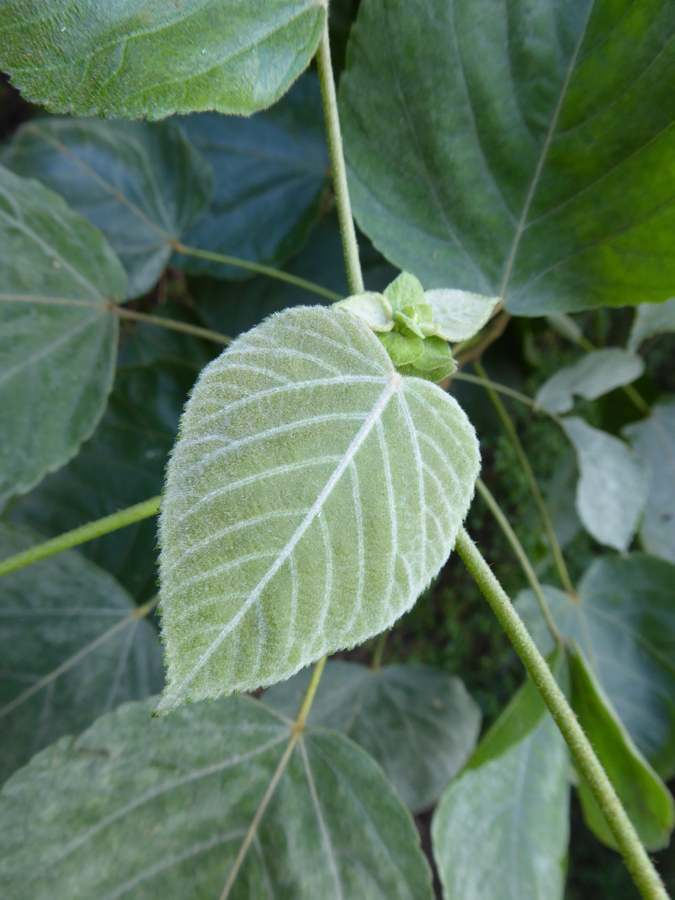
x: 216, y: 797
x: 501, y: 828
x: 153, y: 58
x: 58, y: 338
x: 653, y: 439
x: 624, y: 621
x: 141, y: 184
x: 517, y: 150
x: 419, y: 723
x: 271, y: 172
x: 124, y: 461
x: 642, y: 793
x: 48, y: 612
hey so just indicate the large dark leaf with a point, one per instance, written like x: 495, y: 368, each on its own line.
x: 49, y: 612
x: 58, y: 337
x: 141, y: 184
x: 520, y: 149
x: 124, y: 461
x: 216, y: 797
x: 271, y: 171
x: 624, y: 621
x: 418, y: 722
x: 153, y: 58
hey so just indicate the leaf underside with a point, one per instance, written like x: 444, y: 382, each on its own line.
x: 166, y: 809
x: 419, y: 723
x: 56, y: 360
x: 517, y: 150
x: 48, y: 612
x: 312, y: 495
x: 154, y: 58
x: 590, y: 377
x: 501, y: 828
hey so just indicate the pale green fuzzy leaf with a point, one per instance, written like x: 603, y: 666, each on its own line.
x: 407, y: 325
x: 271, y: 173
x: 653, y: 439
x: 419, y: 723
x: 373, y: 308
x: 500, y: 830
x: 57, y: 360
x: 624, y: 621
x: 590, y: 377
x: 312, y: 495
x: 48, y: 612
x: 215, y: 798
x: 405, y: 290
x: 153, y: 58
x: 520, y: 150
x: 651, y: 319
x: 434, y: 363
x: 459, y: 313
x: 613, y: 485
x: 402, y: 350
x: 642, y: 793
x: 141, y: 184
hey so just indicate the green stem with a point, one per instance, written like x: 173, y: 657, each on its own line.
x: 258, y: 268
x: 171, y: 324
x: 637, y: 861
x: 310, y: 693
x: 337, y: 163
x: 81, y: 535
x: 512, y: 538
x: 509, y: 392
x: 532, y: 481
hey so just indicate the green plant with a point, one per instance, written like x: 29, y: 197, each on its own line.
x: 322, y: 471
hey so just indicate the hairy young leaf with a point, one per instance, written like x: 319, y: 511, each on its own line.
x: 653, y: 439
x: 141, y: 184
x: 500, y: 831
x: 124, y: 461
x: 590, y: 377
x: 624, y: 621
x: 613, y: 484
x: 419, y: 723
x: 642, y: 793
x: 56, y: 359
x: 517, y: 150
x: 651, y: 319
x: 153, y: 58
x: 216, y: 797
x: 271, y: 172
x: 48, y: 612
x: 459, y: 313
x: 312, y: 495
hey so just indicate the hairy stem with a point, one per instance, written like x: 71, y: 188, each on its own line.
x: 310, y: 693
x: 258, y: 268
x: 81, y: 535
x: 507, y: 391
x: 337, y: 164
x: 635, y: 856
x: 525, y: 563
x: 532, y: 481
x: 171, y: 324
x: 379, y: 651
